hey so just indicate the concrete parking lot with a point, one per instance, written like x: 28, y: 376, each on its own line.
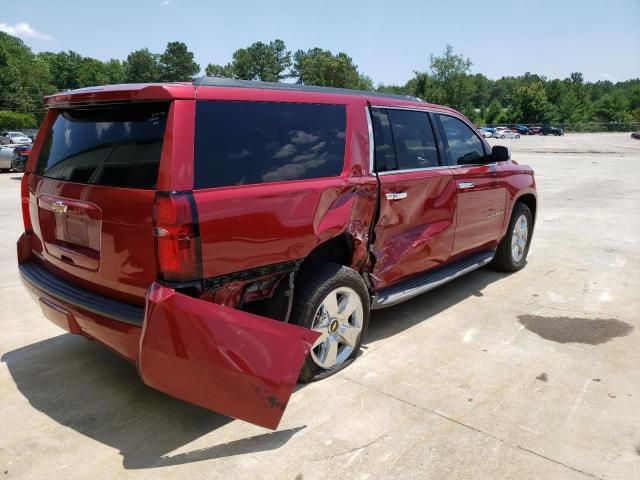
x: 529, y: 375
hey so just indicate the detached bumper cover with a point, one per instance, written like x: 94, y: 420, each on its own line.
x: 235, y: 363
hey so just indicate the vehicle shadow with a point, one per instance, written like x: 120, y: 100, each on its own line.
x: 393, y: 320
x: 91, y: 390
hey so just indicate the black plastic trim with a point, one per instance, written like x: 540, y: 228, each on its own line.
x: 44, y: 280
x: 212, y: 283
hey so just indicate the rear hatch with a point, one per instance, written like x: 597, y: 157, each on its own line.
x: 94, y: 186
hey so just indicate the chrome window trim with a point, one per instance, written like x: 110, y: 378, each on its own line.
x: 415, y: 109
x: 371, y: 141
x: 410, y: 170
x: 441, y: 167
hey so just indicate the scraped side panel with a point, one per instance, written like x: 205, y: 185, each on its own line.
x: 235, y: 363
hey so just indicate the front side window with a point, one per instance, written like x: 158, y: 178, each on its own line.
x: 240, y: 143
x: 464, y: 146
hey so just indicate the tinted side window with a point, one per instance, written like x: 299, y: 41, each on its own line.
x: 464, y: 146
x: 238, y: 143
x: 385, y: 156
x: 413, y: 138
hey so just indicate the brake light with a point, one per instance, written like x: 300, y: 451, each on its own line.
x: 177, y: 237
x: 24, y: 197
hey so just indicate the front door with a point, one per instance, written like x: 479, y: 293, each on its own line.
x: 416, y: 225
x: 481, y: 199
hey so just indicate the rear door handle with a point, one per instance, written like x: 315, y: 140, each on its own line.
x: 465, y: 185
x: 396, y: 196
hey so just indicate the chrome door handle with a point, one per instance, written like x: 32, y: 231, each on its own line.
x: 396, y: 196
x: 465, y: 185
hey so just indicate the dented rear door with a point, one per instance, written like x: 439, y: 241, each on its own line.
x: 235, y: 363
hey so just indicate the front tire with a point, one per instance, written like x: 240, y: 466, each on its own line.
x: 333, y: 300
x: 512, y: 251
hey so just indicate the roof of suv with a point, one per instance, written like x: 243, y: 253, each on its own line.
x: 187, y: 90
x: 228, y: 82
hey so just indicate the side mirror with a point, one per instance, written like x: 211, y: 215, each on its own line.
x: 500, y: 153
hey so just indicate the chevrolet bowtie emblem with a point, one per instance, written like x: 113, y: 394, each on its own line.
x: 59, y: 207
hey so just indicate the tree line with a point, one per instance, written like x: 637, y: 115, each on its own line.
x: 26, y: 77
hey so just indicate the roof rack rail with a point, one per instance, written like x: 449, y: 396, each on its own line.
x: 230, y: 82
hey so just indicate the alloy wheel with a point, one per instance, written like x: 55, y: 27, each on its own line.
x: 339, y: 320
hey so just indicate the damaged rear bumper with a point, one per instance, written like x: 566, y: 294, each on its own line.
x: 235, y: 363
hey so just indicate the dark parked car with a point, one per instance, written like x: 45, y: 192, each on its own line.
x: 636, y: 135
x: 20, y: 155
x: 231, y: 237
x: 548, y: 130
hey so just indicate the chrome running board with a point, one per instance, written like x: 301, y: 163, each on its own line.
x: 411, y: 288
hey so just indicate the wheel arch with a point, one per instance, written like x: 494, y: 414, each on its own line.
x: 530, y: 200
x: 338, y: 249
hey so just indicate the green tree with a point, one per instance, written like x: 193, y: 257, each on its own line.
x: 114, y: 70
x: 267, y: 62
x: 213, y: 70
x: 531, y: 101
x: 177, y: 63
x: 494, y: 112
x: 24, y: 78
x: 92, y: 72
x: 394, y: 89
x: 612, y: 107
x: 450, y: 75
x: 142, y: 66
x: 9, y: 119
x: 321, y: 67
x: 64, y: 67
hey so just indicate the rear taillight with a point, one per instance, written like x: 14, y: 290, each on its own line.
x: 177, y: 237
x: 24, y: 197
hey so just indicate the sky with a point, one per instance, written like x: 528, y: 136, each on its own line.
x: 388, y: 40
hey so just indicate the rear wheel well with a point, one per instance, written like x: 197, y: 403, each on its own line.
x: 337, y: 250
x: 530, y: 201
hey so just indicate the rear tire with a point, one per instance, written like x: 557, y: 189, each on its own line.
x: 512, y: 251
x: 334, y: 300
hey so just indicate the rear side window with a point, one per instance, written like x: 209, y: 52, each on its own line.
x: 239, y: 143
x: 413, y: 138
x: 118, y: 146
x: 404, y: 140
x: 464, y: 147
x: 385, y: 156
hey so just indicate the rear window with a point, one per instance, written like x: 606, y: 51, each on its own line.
x: 118, y: 146
x: 238, y: 143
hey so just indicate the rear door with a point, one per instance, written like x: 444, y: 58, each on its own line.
x: 416, y: 225
x: 93, y: 193
x: 481, y: 199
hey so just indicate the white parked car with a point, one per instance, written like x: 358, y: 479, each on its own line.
x: 505, y: 133
x: 14, y: 138
x: 6, y: 155
x: 485, y: 133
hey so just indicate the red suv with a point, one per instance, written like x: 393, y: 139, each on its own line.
x: 231, y: 238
